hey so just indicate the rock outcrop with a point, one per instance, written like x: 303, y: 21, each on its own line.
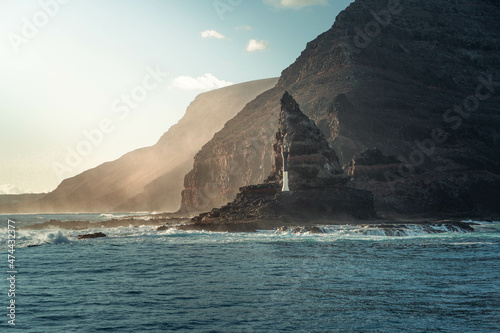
x: 311, y: 161
x: 94, y: 235
x: 317, y: 183
x: 407, y: 87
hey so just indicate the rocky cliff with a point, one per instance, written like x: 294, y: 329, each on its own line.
x: 151, y: 178
x: 416, y: 80
x: 318, y: 188
x: 311, y: 161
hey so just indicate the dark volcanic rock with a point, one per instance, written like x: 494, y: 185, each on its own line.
x: 94, y: 235
x: 312, y: 163
x: 370, y: 157
x: 311, y: 204
x: 399, y: 88
x: 163, y: 228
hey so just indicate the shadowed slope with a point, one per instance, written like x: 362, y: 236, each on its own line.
x: 392, y: 91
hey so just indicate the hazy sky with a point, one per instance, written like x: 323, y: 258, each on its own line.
x: 84, y: 81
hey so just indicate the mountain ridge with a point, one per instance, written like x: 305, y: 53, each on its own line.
x: 388, y: 95
x: 149, y: 178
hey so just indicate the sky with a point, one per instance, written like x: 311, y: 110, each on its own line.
x: 83, y: 82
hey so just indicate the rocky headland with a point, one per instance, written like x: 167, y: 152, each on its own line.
x: 405, y: 131
x: 319, y: 192
x: 318, y: 187
x: 398, y: 105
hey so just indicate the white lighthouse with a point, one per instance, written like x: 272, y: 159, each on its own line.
x: 284, y: 153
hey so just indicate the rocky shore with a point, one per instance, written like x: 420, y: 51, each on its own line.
x: 282, y: 223
x: 397, y: 94
x: 378, y: 227
x: 320, y: 193
x: 128, y: 222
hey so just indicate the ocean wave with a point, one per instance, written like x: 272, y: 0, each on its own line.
x: 37, y: 238
x: 413, y: 229
x: 123, y: 235
x: 51, y: 236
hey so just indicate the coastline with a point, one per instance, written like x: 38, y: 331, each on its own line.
x: 163, y: 222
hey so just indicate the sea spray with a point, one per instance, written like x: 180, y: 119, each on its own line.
x: 28, y: 238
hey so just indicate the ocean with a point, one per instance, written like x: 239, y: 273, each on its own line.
x: 350, y: 279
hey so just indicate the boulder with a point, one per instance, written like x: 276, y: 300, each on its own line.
x: 94, y: 235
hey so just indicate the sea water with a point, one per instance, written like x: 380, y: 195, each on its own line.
x: 347, y: 280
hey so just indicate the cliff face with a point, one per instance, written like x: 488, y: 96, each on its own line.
x: 418, y: 80
x: 150, y: 179
x: 311, y: 162
x: 318, y: 191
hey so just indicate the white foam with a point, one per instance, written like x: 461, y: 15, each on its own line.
x: 57, y: 238
x: 27, y: 238
x: 40, y: 237
x: 404, y: 230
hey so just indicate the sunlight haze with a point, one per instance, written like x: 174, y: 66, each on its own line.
x: 67, y: 66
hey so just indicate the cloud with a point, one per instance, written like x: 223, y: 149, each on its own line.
x: 295, y: 4
x: 257, y: 45
x: 205, y: 82
x: 212, y: 34
x: 244, y: 27
x: 11, y: 189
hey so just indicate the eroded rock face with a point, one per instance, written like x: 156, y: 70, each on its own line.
x: 394, y: 92
x: 317, y: 182
x: 311, y: 162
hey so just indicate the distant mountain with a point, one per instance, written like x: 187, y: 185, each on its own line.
x: 409, y: 89
x: 149, y: 179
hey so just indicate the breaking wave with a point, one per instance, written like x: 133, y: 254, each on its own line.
x: 124, y: 235
x: 37, y: 238
x: 32, y: 238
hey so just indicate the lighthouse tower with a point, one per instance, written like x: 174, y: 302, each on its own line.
x: 284, y: 153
